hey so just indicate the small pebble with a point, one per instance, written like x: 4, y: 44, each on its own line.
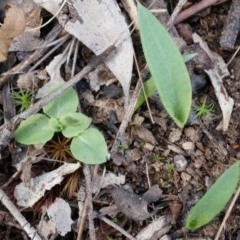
x: 198, y: 82
x: 180, y: 163
x: 185, y: 177
x: 191, y: 133
x: 175, y: 135
x: 148, y: 146
x: 165, y: 237
x: 198, y: 163
x: 187, y: 146
x: 208, y: 182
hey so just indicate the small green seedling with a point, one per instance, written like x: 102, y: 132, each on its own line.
x: 123, y: 146
x: 157, y: 158
x: 170, y: 170
x: 87, y: 144
x: 22, y: 99
x: 203, y: 110
x: 215, y: 199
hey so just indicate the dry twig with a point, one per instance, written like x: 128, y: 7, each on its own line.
x: 87, y: 175
x: 236, y: 195
x: 31, y: 232
x: 119, y: 229
x: 194, y: 9
x: 177, y: 9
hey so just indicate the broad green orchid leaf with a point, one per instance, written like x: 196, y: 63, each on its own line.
x: 150, y: 88
x: 215, y: 199
x: 74, y: 124
x: 66, y: 103
x: 89, y: 147
x: 34, y: 130
x: 167, y: 67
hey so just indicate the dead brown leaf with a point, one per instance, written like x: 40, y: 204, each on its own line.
x: 14, y: 25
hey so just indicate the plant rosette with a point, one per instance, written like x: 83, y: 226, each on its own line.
x: 88, y: 144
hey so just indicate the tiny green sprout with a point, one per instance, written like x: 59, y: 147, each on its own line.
x: 202, y: 110
x: 170, y: 167
x: 170, y: 170
x: 157, y: 158
x: 123, y: 146
x: 109, y: 238
x: 116, y: 220
x: 22, y: 99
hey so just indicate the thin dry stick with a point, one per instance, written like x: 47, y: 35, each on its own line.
x: 127, y: 117
x: 122, y: 231
x: 233, y: 56
x: 236, y: 195
x: 131, y: 8
x: 147, y: 174
x: 74, y: 59
x: 143, y: 89
x: 52, y: 18
x: 83, y: 220
x: 87, y: 175
x: 176, y: 11
x: 31, y: 231
x: 6, y: 130
x: 193, y: 10
x: 70, y: 50
x: 49, y: 53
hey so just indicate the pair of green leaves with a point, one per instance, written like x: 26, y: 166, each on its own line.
x: 167, y: 67
x: 87, y: 145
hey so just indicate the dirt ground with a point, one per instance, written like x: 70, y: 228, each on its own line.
x: 182, y: 163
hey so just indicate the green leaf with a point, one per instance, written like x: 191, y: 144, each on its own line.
x: 34, y: 130
x: 66, y: 103
x: 89, y: 147
x: 150, y: 87
x: 166, y: 66
x: 55, y: 125
x: 215, y: 199
x: 74, y: 124
x: 188, y: 57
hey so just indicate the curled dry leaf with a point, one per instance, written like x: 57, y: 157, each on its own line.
x: 27, y: 197
x: 14, y: 25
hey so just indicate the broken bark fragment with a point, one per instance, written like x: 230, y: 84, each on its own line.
x: 231, y: 27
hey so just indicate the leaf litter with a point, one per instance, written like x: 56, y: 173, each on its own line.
x: 142, y: 166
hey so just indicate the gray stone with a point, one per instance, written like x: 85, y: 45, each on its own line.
x: 180, y: 163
